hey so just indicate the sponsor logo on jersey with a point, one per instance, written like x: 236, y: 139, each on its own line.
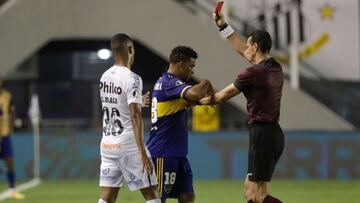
x: 110, y: 88
x: 110, y: 146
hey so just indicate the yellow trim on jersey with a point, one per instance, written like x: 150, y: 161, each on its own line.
x: 170, y: 107
x: 183, y: 90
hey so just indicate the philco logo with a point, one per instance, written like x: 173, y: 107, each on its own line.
x: 110, y: 88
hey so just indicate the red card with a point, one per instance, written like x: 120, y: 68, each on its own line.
x: 219, y: 6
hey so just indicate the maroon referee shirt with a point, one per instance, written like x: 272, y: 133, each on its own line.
x: 262, y: 86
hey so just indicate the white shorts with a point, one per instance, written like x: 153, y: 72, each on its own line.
x: 115, y: 172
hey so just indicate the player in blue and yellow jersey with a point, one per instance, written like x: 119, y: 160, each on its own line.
x: 7, y: 116
x: 168, y: 142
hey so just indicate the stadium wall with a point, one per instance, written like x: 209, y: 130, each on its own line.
x: 220, y: 155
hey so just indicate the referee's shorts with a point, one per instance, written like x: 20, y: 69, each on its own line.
x: 266, y: 144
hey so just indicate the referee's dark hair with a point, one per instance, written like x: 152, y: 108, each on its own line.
x: 182, y: 54
x: 119, y: 43
x: 262, y: 39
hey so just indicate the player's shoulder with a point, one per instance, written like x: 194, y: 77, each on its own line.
x: 271, y: 64
x: 251, y: 70
x: 172, y: 80
x: 133, y: 77
x: 109, y: 72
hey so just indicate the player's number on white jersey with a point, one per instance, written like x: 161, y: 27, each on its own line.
x: 170, y: 178
x: 112, y: 124
x: 154, y: 115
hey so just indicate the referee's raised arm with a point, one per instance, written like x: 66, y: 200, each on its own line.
x: 228, y: 32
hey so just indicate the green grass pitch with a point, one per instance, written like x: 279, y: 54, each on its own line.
x: 206, y: 192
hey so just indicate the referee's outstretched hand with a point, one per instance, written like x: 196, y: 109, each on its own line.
x: 219, y: 19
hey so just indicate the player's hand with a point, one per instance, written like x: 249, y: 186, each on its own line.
x: 146, y: 100
x: 210, y: 91
x: 205, y: 100
x: 146, y: 162
x: 191, y: 103
x: 219, y: 19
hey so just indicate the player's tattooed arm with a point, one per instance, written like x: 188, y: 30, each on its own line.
x: 201, y: 90
x: 220, y: 96
x: 237, y: 42
x: 146, y: 100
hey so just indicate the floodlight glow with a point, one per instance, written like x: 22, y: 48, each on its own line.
x: 104, y: 54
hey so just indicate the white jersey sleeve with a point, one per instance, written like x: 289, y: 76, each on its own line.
x: 134, y: 89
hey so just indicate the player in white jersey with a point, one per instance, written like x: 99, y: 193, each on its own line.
x: 125, y: 159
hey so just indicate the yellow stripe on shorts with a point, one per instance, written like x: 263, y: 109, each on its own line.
x: 161, y: 175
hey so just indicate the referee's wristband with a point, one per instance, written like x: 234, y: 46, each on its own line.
x: 223, y: 26
x: 226, y: 30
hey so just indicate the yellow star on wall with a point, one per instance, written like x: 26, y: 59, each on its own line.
x: 327, y: 12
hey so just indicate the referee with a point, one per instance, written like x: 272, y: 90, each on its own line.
x: 262, y: 85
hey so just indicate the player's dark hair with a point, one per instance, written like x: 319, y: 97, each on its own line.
x: 262, y: 39
x: 182, y: 54
x: 119, y: 43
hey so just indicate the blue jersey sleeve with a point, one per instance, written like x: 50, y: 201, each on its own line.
x: 176, y: 88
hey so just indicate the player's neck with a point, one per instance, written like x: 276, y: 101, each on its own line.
x: 119, y: 62
x: 260, y: 57
x: 173, y: 70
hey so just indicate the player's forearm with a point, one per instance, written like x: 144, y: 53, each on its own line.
x: 214, y: 99
x: 199, y: 91
x: 138, y: 128
x: 205, y: 100
x: 218, y: 98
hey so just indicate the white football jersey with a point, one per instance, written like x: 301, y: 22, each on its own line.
x: 119, y: 87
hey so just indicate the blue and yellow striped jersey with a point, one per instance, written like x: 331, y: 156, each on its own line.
x: 168, y: 136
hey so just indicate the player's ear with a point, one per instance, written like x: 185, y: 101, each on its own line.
x: 180, y: 64
x: 256, y: 46
x: 130, y: 50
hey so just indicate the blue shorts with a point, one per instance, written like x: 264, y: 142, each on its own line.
x: 6, y: 149
x: 174, y: 176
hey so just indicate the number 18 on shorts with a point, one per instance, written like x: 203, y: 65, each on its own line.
x: 174, y: 176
